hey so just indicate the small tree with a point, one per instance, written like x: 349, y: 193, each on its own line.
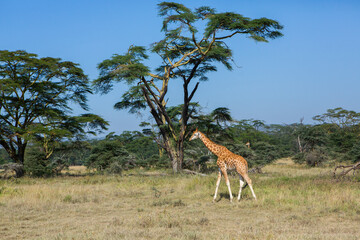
x: 188, y: 52
x: 36, y: 163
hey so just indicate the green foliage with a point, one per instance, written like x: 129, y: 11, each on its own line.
x: 71, y: 153
x: 110, y: 154
x: 132, y: 100
x: 299, y: 158
x: 36, y: 164
x: 282, y: 136
x: 342, y: 140
x: 125, y: 151
x: 259, y: 29
x: 4, y: 156
x: 336, y: 137
x: 313, y: 136
x: 315, y: 157
x: 142, y: 147
x: 265, y: 153
x: 39, y: 164
x: 115, y: 167
x: 354, y: 154
x: 127, y: 67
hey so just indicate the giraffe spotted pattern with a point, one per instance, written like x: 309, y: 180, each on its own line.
x: 226, y: 161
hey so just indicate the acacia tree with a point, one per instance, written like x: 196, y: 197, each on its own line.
x: 188, y: 52
x: 340, y: 117
x: 221, y: 115
x: 35, y: 94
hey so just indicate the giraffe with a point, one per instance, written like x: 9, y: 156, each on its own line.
x: 226, y: 160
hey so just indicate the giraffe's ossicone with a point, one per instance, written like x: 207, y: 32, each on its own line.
x: 226, y: 161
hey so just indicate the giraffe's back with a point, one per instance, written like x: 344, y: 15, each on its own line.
x: 233, y: 161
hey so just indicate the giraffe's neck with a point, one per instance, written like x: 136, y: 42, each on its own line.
x: 213, y: 147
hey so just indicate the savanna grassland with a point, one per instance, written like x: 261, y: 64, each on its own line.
x: 294, y: 202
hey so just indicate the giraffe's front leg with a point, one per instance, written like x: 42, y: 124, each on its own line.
x: 217, y: 185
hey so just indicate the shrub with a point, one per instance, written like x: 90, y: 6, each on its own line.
x: 110, y: 156
x: 154, y: 161
x: 316, y: 157
x: 36, y: 164
x: 313, y: 158
x: 299, y: 158
x: 265, y: 153
x: 354, y: 153
x: 115, y: 168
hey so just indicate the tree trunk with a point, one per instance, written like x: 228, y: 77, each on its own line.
x: 299, y: 144
x: 19, y: 161
x: 176, y: 156
x: 19, y: 170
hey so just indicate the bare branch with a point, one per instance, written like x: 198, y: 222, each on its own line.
x: 346, y: 169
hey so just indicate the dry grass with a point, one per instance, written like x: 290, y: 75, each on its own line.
x: 294, y: 202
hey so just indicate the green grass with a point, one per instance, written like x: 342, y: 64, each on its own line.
x: 294, y: 202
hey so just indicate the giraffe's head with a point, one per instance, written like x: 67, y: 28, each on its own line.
x: 195, y: 135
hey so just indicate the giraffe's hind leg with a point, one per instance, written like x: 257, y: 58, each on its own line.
x: 242, y: 183
x: 248, y: 180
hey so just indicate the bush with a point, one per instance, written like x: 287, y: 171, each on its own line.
x: 354, y: 154
x: 115, y: 168
x: 316, y: 157
x: 313, y: 158
x: 157, y: 161
x: 299, y: 158
x: 4, y: 157
x: 36, y: 164
x: 265, y: 153
x: 110, y: 156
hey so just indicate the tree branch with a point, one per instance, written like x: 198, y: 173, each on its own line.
x: 193, y: 91
x: 348, y: 167
x: 231, y: 35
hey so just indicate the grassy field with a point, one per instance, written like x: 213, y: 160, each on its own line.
x: 294, y: 202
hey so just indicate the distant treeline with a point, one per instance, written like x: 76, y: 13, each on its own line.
x: 336, y: 137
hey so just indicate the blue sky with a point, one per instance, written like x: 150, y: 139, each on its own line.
x: 314, y: 67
